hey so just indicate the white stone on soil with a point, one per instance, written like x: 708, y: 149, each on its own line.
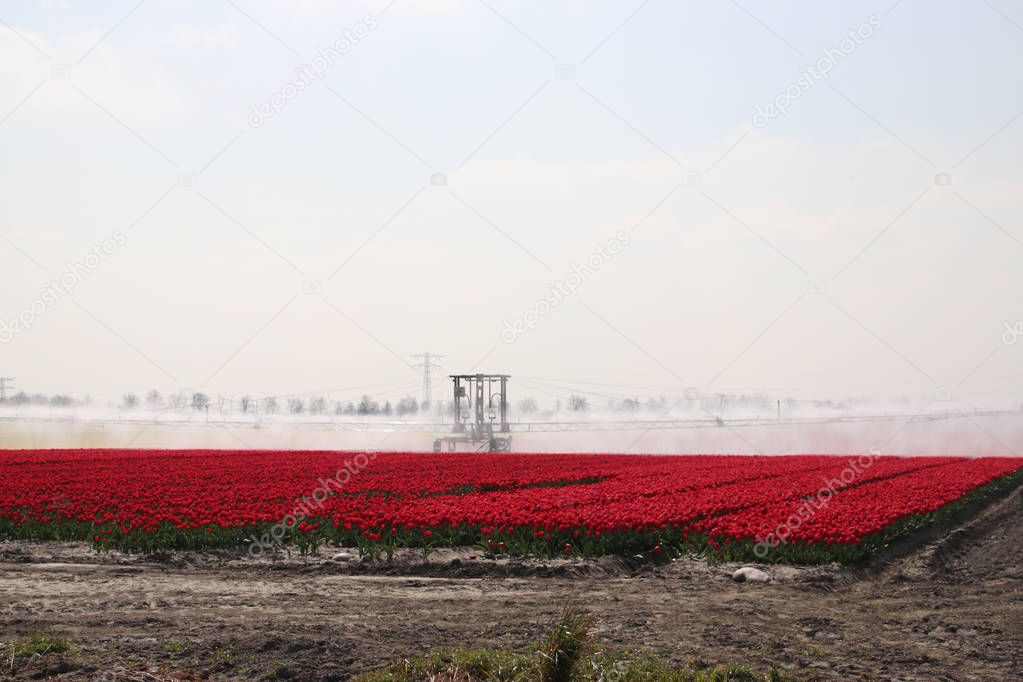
x: 750, y: 574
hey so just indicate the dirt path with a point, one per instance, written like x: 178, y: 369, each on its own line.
x: 953, y: 609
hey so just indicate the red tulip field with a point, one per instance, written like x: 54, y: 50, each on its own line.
x: 803, y: 509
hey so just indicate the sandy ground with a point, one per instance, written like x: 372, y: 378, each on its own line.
x: 950, y: 607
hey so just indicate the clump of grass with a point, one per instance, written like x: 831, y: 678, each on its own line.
x: 176, y: 646
x: 564, y: 646
x: 40, y: 644
x: 818, y: 652
x: 467, y: 665
x: 612, y: 667
x: 566, y: 654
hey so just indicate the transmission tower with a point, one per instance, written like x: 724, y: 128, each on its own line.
x: 4, y: 386
x: 427, y: 365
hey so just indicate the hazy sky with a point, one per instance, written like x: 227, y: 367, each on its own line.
x: 558, y: 126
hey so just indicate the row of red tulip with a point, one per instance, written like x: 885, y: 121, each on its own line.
x: 228, y: 496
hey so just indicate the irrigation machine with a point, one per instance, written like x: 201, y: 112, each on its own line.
x: 480, y: 409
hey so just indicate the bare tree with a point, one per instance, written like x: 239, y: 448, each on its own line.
x: 129, y: 400
x: 527, y: 406
x: 407, y: 405
x: 368, y: 406
x: 630, y: 405
x: 657, y: 404
x: 200, y: 401
x: 154, y: 399
x: 578, y: 403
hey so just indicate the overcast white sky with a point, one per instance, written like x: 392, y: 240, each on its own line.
x: 109, y: 110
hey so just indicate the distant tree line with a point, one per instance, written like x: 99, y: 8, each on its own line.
x: 22, y: 398
x: 367, y: 405
x: 317, y: 405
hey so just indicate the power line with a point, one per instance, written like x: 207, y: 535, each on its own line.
x: 321, y: 391
x: 660, y: 389
x: 537, y: 383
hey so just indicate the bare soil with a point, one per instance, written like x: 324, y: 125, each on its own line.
x: 950, y: 607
